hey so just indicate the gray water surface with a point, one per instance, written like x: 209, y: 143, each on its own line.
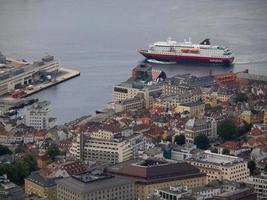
x: 100, y: 39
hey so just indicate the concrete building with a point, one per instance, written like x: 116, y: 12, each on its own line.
x: 152, y: 174
x: 220, y: 167
x: 38, y: 115
x: 107, y: 147
x: 260, y: 185
x: 17, y: 74
x: 41, y: 186
x: 200, y: 126
x: 95, y: 185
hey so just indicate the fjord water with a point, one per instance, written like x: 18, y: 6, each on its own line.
x: 100, y: 39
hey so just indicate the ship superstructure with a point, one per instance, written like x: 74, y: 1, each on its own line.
x: 187, y: 52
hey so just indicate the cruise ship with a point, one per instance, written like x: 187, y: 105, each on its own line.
x: 187, y: 52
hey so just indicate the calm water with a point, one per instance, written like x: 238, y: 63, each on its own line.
x: 100, y: 38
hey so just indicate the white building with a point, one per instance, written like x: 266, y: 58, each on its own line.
x: 38, y: 115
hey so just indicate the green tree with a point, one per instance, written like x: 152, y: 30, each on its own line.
x: 53, y: 151
x: 179, y: 139
x: 241, y: 97
x: 226, y: 152
x: 252, y: 166
x: 227, y: 129
x: 202, y: 142
x: 4, y: 150
x: 19, y: 170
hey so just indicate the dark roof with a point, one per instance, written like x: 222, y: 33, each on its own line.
x: 156, y: 170
x: 40, y: 180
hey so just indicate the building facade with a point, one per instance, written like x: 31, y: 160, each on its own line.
x: 200, y: 126
x: 38, y: 115
x: 107, y: 149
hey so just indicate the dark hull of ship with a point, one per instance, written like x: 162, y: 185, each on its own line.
x: 188, y: 59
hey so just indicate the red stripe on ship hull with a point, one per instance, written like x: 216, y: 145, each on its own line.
x: 180, y: 56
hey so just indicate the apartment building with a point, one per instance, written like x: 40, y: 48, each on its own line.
x: 200, y: 126
x: 220, y: 167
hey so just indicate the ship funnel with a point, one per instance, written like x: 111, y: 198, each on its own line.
x: 205, y: 42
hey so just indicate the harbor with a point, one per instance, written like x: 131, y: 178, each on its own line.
x: 64, y: 74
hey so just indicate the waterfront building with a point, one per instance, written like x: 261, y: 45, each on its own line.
x: 220, y: 167
x: 41, y: 186
x: 106, y: 146
x: 95, y: 185
x: 225, y: 78
x: 38, y: 115
x: 152, y: 174
x: 200, y: 126
x: 18, y: 74
x: 145, y: 82
x: 260, y: 185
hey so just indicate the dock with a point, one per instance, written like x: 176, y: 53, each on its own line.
x: 64, y: 74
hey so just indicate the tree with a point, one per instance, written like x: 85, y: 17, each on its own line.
x: 53, y: 151
x: 4, y: 150
x: 226, y: 152
x: 202, y: 142
x: 252, y: 166
x: 227, y: 129
x: 179, y: 139
x: 19, y: 170
x: 241, y: 97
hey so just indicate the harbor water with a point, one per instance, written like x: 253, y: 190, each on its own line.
x: 100, y: 39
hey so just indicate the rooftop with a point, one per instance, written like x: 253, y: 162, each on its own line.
x: 93, y: 181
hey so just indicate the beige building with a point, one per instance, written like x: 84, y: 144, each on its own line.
x: 221, y: 167
x: 95, y: 186
x: 200, y: 126
x: 150, y: 175
x: 194, y: 108
x: 41, y: 186
x: 260, y: 185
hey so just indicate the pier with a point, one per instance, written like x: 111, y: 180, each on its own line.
x: 63, y: 74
